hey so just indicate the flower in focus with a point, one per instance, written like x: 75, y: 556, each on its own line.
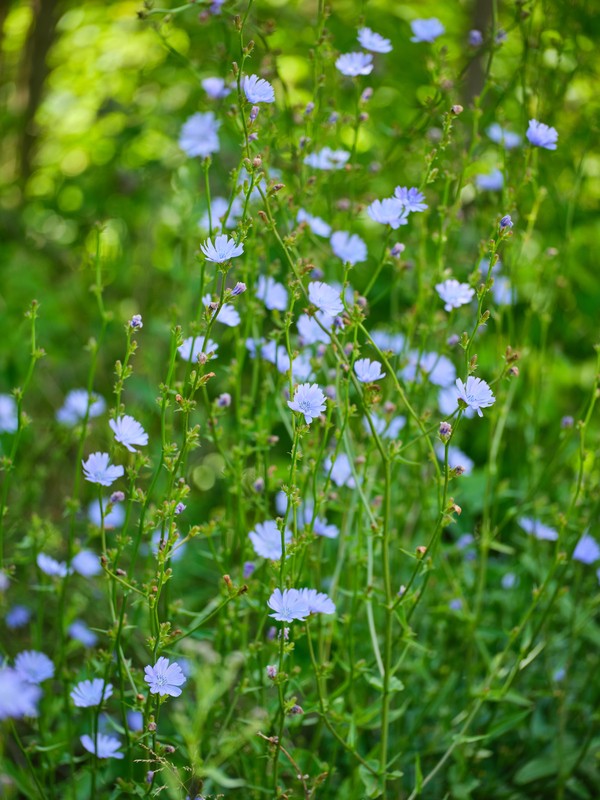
x: 426, y: 30
x: 136, y: 322
x: 373, y: 41
x: 317, y: 225
x: 274, y: 295
x: 327, y: 159
x: 9, y: 421
x: 368, y: 371
x: 33, y: 666
x: 75, y: 407
x: 411, y: 199
x: 325, y: 298
x: 476, y: 394
x: 499, y: 135
x: 308, y: 400
x: 353, y: 64
x: 454, y: 294
x: 222, y: 250
x: 266, y: 540
x: 350, y: 248
x: 199, y: 135
x: 49, y: 566
x: 536, y: 528
x: 128, y: 432
x: 257, y: 90
x: 587, y: 550
x: 192, y: 348
x: 317, y: 602
x: 91, y: 693
x: 164, y: 678
x: 542, y: 135
x: 105, y: 746
x: 388, y: 212
x: 288, y: 605
x: 18, y: 697
x: 98, y: 469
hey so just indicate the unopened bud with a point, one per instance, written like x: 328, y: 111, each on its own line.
x: 456, y: 110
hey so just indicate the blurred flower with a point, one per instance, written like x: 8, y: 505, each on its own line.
x: 587, y: 550
x: 325, y: 298
x: 438, y: 369
x: 509, y: 580
x: 218, y: 208
x: 105, y: 746
x: 48, y: 565
x: 223, y: 401
x: 135, y: 720
x: 216, y: 88
x: 426, y: 30
x: 476, y: 394
x: 17, y: 617
x: 228, y: 314
x: 273, y: 294
x: 112, y: 519
x: 506, y: 222
x: 317, y: 225
x: 199, y: 135
x: 456, y: 604
x: 368, y: 371
x: 353, y: 64
x: 33, y: 666
x: 91, y: 693
x: 536, y: 528
x: 248, y: 569
x: 257, y: 90
x: 454, y: 294
x: 272, y: 671
x: 411, y: 199
x: 492, y: 182
x: 288, y: 605
x: 164, y: 678
x: 86, y: 563
x: 327, y: 159
x: 501, y: 136
x: 79, y: 631
x: 388, y: 212
x: 475, y: 38
x: 76, y: 404
x: 317, y: 602
x: 373, y: 41
x: 98, y: 469
x: 222, y: 250
x: 177, y: 548
x: 18, y: 698
x: 341, y: 470
x: 9, y: 421
x: 542, y: 135
x: 192, y: 348
x: 266, y: 540
x: 308, y: 400
x: 128, y: 432
x: 456, y: 458
x: 350, y: 248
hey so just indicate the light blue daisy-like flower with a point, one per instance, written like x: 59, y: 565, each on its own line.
x: 18, y: 697
x: 317, y: 225
x: 86, y: 563
x: 273, y: 294
x: 340, y: 470
x: 354, y: 64
x: 266, y: 539
x: 475, y: 394
x: 76, y: 404
x: 49, y: 566
x: 215, y: 87
x: 193, y: 347
x: 327, y: 159
x: 502, y: 136
x: 98, y: 469
x: 368, y: 371
x: 536, y: 528
x: 103, y: 747
x: 325, y: 298
x: 199, y: 135
x: 317, y: 602
x: 164, y: 678
x: 257, y: 90
x: 288, y: 605
x: 388, y: 212
x: 454, y: 294
x: 91, y: 693
x: 411, y: 199
x: 350, y: 248
x: 223, y: 249
x: 587, y: 550
x: 374, y: 42
x: 79, y: 631
x: 227, y: 315
x: 426, y: 30
x: 128, y: 432
x: 542, y: 135
x: 308, y: 400
x: 33, y: 666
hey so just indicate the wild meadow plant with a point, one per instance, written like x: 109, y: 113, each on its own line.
x: 313, y: 514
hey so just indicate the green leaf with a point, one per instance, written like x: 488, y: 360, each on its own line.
x: 370, y: 781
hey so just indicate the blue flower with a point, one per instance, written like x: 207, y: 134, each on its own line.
x: 18, y: 697
x: 438, y: 369
x: 317, y: 602
x: 136, y: 322
x: 308, y: 400
x: 457, y: 460
x: 112, y: 519
x: 448, y: 403
x: 48, y: 565
x: 536, y: 528
x: 542, y: 135
x: 76, y: 405
x: 388, y: 212
x: 105, y: 746
x: 327, y: 159
x: 192, y: 348
x: 311, y: 332
x: 317, y: 225
x: 492, y: 182
x: 387, y: 429
x: 98, y: 469
x: 86, y: 563
x: 128, y: 432
x: 79, y: 631
x: 426, y: 30
x: 266, y: 540
x: 368, y: 371
x: 501, y: 136
x: 373, y: 41
x: 340, y: 470
x: 325, y: 298
x: 475, y: 394
x: 228, y: 314
x: 274, y: 295
x: 17, y: 617
x: 506, y: 222
x: 288, y: 605
x: 218, y: 208
x: 350, y: 248
x: 222, y: 250
x: 454, y: 294
x: 9, y: 421
x: 411, y: 199
x: 164, y: 678
x: 91, y: 693
x: 257, y: 90
x: 353, y: 64
x: 216, y: 88
x: 587, y: 550
x: 475, y: 38
x: 199, y: 135
x: 509, y: 581
x: 33, y: 666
